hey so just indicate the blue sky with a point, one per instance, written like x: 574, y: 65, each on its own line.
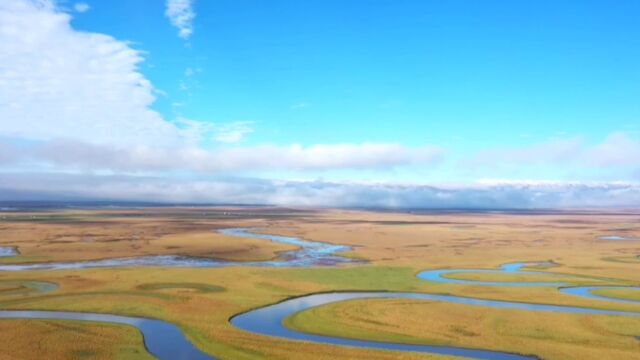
x: 476, y: 73
x: 428, y: 93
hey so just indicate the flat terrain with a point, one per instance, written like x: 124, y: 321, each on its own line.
x: 396, y: 247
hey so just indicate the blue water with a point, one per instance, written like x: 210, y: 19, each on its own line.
x: 515, y: 268
x: 309, y: 253
x: 269, y: 321
x: 439, y: 276
x: 587, y: 292
x: 7, y: 251
x: 162, y: 339
x: 618, y: 238
x: 166, y: 341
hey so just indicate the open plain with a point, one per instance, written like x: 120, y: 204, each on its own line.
x: 319, y: 180
x: 388, y: 250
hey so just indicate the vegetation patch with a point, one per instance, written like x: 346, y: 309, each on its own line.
x: 358, y: 278
x: 620, y: 293
x: 548, y: 335
x: 199, y: 287
x: 186, y: 296
x: 58, y: 340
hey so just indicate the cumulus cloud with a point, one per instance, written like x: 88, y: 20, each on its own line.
x: 181, y: 15
x: 58, y: 82
x: 506, y: 195
x: 77, y: 100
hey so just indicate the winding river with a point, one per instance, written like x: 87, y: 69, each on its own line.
x: 308, y: 254
x: 166, y: 341
x: 618, y: 238
x: 269, y: 320
x: 162, y: 339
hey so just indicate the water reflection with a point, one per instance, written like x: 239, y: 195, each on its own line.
x: 587, y: 292
x: 440, y: 276
x: 269, y: 321
x: 617, y: 238
x: 309, y: 253
x: 7, y: 251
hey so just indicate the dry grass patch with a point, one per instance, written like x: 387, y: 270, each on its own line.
x: 45, y: 339
x: 549, y: 335
x: 397, y: 245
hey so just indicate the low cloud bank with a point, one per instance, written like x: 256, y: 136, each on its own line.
x: 77, y: 155
x: 492, y: 195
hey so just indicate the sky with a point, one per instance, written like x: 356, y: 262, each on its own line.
x: 389, y: 103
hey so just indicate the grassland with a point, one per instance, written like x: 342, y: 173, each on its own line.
x: 547, y: 276
x: 95, y: 235
x: 24, y: 339
x: 621, y: 293
x: 548, y: 335
x: 397, y: 246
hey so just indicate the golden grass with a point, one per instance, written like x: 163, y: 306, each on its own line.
x: 549, y: 335
x: 181, y: 287
x: 628, y: 294
x: 398, y: 246
x: 90, y: 236
x: 533, y: 278
x: 44, y: 339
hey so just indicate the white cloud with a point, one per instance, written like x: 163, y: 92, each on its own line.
x: 233, y: 132
x: 81, y: 7
x: 318, y: 193
x: 76, y: 155
x: 616, y: 149
x: 78, y: 100
x: 181, y: 15
x: 58, y: 82
x: 552, y: 151
x: 195, y: 132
